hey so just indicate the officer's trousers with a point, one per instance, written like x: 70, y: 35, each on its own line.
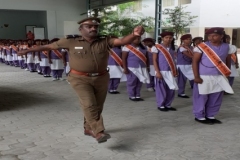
x: 92, y: 93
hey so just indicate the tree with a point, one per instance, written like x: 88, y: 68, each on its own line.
x: 120, y: 20
x: 177, y: 20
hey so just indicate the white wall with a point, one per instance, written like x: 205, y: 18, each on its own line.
x: 17, y: 21
x: 148, y: 8
x: 58, y: 11
x: 219, y: 13
x: 214, y: 13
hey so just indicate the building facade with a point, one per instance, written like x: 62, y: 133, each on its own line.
x: 211, y: 13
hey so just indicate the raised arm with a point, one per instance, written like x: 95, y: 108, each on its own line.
x: 138, y: 31
x: 62, y: 43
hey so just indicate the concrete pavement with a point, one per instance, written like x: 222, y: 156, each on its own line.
x: 41, y: 120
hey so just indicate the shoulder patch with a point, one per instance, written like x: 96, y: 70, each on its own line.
x: 72, y: 36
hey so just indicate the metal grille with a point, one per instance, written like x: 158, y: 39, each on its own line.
x: 158, y: 17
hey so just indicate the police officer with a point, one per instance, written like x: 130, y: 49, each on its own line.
x: 89, y: 77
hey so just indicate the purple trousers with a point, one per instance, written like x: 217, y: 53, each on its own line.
x: 22, y: 64
x: 38, y: 68
x: 206, y: 105
x: 231, y: 80
x: 31, y: 66
x: 151, y: 84
x: 57, y: 73
x: 46, y: 70
x: 182, y: 80
x: 133, y: 85
x: 1, y: 60
x: 164, y: 95
x: 113, y: 84
x: 9, y: 63
x: 16, y: 63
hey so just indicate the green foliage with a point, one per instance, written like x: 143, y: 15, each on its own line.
x: 116, y: 20
x: 177, y: 20
x: 124, y: 6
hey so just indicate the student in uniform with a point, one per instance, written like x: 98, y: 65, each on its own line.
x: 184, y: 64
x: 210, y: 72
x: 149, y: 43
x: 5, y: 53
x: 196, y: 41
x: 30, y: 57
x: 65, y: 56
x: 234, y: 62
x: 115, y: 65
x: 44, y: 62
x: 8, y: 54
x: 164, y: 64
x: 136, y: 67
x: 56, y: 62
x: 20, y: 58
x: 1, y: 51
x: 14, y: 50
x: 36, y: 56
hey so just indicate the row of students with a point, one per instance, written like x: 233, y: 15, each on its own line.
x: 44, y: 63
x: 204, y: 65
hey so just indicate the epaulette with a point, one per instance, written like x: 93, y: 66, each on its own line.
x: 73, y: 36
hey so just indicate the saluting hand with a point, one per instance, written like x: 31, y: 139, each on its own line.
x: 138, y: 31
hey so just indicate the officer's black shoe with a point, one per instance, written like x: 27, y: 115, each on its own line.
x: 139, y: 99
x: 133, y: 99
x: 116, y: 92
x: 172, y: 109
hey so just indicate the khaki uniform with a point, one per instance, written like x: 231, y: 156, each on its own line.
x: 89, y: 58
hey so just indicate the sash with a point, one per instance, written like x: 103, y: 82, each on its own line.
x: 14, y: 48
x: 234, y: 57
x: 168, y: 57
x: 188, y: 49
x: 116, y: 57
x: 57, y: 53
x: 138, y: 53
x: 45, y: 53
x: 215, y: 59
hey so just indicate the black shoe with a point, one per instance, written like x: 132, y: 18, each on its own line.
x: 40, y: 73
x: 183, y: 96
x: 139, y: 99
x: 214, y: 121
x: 116, y: 92
x: 172, y: 109
x: 206, y: 121
x: 163, y: 109
x: 133, y: 99
x: 111, y: 92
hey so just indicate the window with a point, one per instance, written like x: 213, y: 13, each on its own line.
x: 167, y: 3
x: 184, y: 1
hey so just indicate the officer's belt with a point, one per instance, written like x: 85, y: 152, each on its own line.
x: 88, y: 74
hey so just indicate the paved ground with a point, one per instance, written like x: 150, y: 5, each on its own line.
x: 41, y: 120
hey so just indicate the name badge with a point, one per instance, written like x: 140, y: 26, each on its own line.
x: 78, y: 47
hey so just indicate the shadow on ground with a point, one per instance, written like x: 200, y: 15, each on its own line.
x: 13, y: 98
